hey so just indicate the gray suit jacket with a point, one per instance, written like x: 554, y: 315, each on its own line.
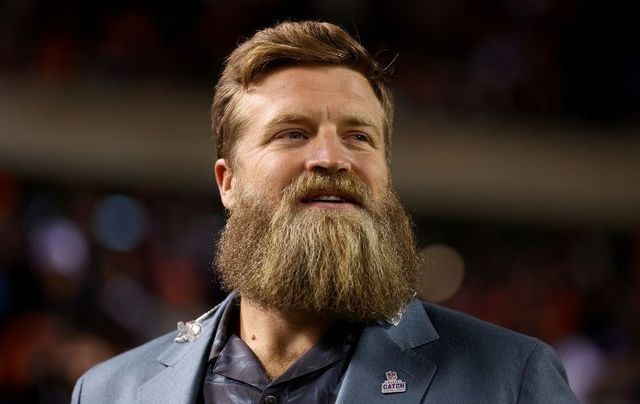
x: 442, y: 356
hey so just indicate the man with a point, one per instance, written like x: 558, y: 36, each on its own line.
x: 320, y: 257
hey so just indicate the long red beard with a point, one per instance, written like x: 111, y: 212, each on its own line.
x: 353, y: 264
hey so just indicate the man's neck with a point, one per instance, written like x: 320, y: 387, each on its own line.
x: 277, y: 338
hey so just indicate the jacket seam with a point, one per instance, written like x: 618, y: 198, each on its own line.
x: 81, y: 385
x: 524, y: 369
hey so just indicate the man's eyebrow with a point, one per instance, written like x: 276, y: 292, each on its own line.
x: 359, y: 120
x: 290, y: 118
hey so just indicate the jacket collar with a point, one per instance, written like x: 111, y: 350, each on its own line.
x: 185, y: 363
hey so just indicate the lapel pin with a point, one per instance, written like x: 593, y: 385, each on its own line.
x: 191, y: 330
x: 393, y: 384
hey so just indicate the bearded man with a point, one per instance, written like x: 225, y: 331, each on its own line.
x: 319, y: 257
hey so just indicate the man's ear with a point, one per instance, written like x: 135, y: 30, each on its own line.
x: 224, y: 177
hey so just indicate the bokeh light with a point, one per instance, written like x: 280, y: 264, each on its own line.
x: 442, y: 273
x: 120, y: 222
x: 58, y: 245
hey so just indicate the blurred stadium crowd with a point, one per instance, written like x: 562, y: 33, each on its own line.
x: 88, y: 271
x: 562, y: 58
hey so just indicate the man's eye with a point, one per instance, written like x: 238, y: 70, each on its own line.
x: 293, y: 135
x: 361, y: 137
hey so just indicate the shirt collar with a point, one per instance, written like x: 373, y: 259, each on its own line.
x: 225, y: 327
x: 234, y: 359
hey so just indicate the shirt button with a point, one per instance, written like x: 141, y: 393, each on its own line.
x: 270, y: 400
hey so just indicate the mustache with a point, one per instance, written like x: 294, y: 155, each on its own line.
x: 310, y: 184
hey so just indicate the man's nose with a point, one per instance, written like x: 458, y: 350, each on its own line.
x: 328, y: 154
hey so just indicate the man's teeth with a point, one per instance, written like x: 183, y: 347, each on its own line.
x: 328, y: 198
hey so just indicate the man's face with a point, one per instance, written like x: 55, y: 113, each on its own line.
x: 307, y: 118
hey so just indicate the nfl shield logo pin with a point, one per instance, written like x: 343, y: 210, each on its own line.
x: 393, y: 384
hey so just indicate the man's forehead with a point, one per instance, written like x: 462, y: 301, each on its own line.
x: 339, y: 92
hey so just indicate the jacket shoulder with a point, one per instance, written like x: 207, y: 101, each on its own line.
x: 504, y: 364
x: 121, y: 375
x: 135, y: 360
x: 119, y: 378
x: 461, y: 327
x: 469, y: 337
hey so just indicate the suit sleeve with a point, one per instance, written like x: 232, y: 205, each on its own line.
x: 544, y: 379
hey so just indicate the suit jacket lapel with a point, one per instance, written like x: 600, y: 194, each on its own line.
x: 185, y: 363
x: 385, y: 348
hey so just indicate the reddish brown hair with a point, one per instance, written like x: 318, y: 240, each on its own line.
x: 287, y: 44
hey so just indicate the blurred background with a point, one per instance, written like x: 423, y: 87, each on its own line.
x: 516, y: 151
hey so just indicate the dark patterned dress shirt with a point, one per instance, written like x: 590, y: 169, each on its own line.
x: 234, y: 374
